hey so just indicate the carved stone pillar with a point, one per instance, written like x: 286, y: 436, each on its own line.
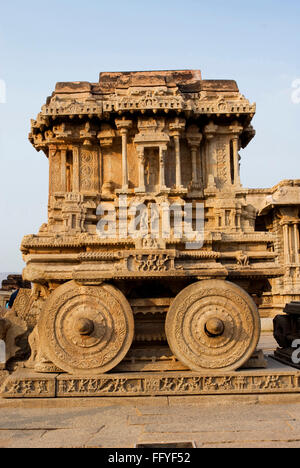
x: 162, y: 158
x: 124, y: 125
x: 106, y: 137
x: 178, y: 160
x: 124, y: 159
x: 285, y: 227
x: 141, y: 161
x: 63, y: 154
x: 52, y: 170
x: 236, y: 166
x: 194, y: 139
x: 107, y: 187
x: 177, y: 128
x: 296, y: 240
x: 236, y: 129
x: 210, y: 134
x: 76, y: 184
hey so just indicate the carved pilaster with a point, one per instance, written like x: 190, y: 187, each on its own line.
x: 76, y: 169
x: 236, y: 131
x: 210, y: 133
x: 106, y: 137
x: 162, y: 158
x: 63, y: 155
x: 54, y: 166
x: 123, y: 126
x: 176, y: 129
x: 296, y: 237
x: 141, y: 162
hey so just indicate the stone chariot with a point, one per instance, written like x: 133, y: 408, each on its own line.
x: 105, y: 300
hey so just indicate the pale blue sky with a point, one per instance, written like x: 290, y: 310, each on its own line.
x: 256, y: 43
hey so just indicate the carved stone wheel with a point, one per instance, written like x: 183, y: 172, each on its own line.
x: 213, y: 326
x: 86, y: 330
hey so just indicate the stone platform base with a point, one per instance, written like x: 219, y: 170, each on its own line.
x: 277, y: 378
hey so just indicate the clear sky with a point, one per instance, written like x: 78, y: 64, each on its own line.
x: 256, y: 43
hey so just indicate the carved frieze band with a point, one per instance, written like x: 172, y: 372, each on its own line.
x: 137, y: 385
x: 113, y: 104
x: 29, y: 387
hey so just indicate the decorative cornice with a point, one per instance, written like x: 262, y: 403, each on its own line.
x: 116, y: 104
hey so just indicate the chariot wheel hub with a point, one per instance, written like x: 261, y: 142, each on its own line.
x: 214, y: 327
x: 85, y: 326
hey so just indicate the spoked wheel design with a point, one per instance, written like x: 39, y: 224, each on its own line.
x: 213, y: 325
x: 86, y: 329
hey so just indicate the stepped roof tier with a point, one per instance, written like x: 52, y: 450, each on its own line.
x: 179, y: 92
